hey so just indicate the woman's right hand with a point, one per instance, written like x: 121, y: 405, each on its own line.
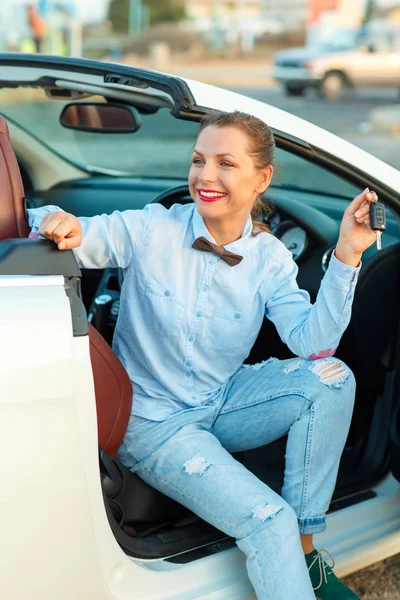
x: 63, y: 229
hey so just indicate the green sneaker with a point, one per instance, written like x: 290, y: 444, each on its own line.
x: 324, y: 581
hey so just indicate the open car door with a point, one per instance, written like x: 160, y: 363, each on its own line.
x: 394, y: 442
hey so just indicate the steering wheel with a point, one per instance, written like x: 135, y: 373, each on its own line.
x: 180, y: 194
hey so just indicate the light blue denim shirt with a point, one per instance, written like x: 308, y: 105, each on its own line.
x: 187, y: 319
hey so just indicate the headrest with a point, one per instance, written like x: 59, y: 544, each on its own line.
x: 13, y: 220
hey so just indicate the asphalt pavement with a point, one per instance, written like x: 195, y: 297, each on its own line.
x: 379, y: 582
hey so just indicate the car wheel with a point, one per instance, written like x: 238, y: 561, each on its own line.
x: 332, y: 86
x: 293, y: 90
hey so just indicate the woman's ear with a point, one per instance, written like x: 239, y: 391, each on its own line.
x: 265, y: 179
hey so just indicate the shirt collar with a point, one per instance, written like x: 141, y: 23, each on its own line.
x: 200, y: 229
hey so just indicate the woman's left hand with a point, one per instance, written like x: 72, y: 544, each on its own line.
x: 356, y: 234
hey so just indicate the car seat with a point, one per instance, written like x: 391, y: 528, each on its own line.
x: 13, y: 221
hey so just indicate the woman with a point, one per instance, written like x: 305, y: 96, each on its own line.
x: 197, y: 282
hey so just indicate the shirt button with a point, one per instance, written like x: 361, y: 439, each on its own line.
x: 204, y: 287
x: 237, y: 315
x: 167, y: 293
x: 194, y: 396
x: 188, y: 363
x: 187, y: 373
x: 191, y: 339
x: 199, y: 314
x: 211, y: 261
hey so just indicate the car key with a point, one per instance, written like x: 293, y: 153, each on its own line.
x: 377, y: 216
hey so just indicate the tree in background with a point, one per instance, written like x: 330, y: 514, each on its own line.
x: 160, y: 12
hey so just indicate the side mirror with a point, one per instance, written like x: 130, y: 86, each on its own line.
x: 100, y: 118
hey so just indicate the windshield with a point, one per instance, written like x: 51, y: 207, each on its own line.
x: 341, y: 39
x: 161, y: 148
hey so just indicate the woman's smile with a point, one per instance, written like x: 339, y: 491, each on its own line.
x: 210, y: 195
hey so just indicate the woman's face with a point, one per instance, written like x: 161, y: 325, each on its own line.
x: 223, y: 179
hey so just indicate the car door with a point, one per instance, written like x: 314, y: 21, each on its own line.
x: 395, y: 442
x: 377, y: 61
x: 45, y: 382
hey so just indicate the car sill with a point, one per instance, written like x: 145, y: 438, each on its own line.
x: 30, y: 280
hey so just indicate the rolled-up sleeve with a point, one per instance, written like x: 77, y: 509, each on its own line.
x: 107, y: 240
x: 311, y: 330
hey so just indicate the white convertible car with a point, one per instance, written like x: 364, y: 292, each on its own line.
x: 92, y: 137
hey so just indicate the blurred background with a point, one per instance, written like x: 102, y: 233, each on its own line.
x: 335, y: 63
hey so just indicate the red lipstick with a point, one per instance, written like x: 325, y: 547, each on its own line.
x: 205, y: 196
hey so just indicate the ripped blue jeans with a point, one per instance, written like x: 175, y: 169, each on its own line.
x: 187, y: 456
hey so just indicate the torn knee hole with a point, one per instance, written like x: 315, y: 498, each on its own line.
x: 332, y: 373
x: 196, y: 465
x: 266, y: 511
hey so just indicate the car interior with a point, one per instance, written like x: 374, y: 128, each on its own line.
x: 305, y: 205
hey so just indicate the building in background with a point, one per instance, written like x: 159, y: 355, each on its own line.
x: 391, y: 10
x: 205, y: 10
x: 394, y: 15
x: 262, y: 16
x: 326, y: 16
x: 291, y: 13
x: 228, y: 20
x: 225, y: 24
x: 232, y: 23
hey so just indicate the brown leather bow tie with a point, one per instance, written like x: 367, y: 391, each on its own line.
x: 202, y: 243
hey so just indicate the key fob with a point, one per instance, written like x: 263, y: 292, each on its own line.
x: 377, y: 216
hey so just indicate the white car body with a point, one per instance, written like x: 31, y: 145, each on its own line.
x: 56, y: 539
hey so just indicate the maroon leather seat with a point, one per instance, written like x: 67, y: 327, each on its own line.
x: 113, y: 391
x: 13, y: 222
x: 112, y: 385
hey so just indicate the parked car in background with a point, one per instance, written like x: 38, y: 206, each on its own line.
x: 348, y: 59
